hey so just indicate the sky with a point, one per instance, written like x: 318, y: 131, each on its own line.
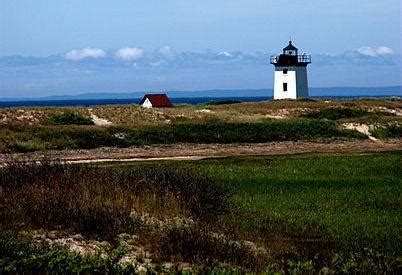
x: 75, y: 46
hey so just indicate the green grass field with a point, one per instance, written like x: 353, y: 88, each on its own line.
x: 346, y: 201
x: 307, y: 211
x: 338, y: 201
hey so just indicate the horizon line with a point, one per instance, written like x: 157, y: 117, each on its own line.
x: 185, y: 91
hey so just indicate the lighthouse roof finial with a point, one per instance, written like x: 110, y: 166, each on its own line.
x: 290, y: 47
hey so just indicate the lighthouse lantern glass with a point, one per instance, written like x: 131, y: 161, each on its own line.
x: 290, y: 52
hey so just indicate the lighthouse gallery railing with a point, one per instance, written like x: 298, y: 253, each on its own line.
x: 303, y: 58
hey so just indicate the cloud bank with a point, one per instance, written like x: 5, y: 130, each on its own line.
x: 132, y: 68
x: 129, y: 54
x: 165, y: 56
x: 373, y: 52
x: 76, y: 55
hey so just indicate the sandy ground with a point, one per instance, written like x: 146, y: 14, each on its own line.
x: 97, y: 120
x: 362, y: 128
x: 200, y: 151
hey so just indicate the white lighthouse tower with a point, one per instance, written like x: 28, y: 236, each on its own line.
x: 290, y: 73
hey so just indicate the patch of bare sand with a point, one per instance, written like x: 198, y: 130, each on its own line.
x: 362, y: 128
x: 97, y: 120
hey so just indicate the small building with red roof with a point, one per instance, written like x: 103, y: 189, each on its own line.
x: 156, y: 101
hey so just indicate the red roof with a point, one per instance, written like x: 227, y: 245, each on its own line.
x: 157, y: 100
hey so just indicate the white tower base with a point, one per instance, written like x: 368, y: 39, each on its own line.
x: 290, y: 82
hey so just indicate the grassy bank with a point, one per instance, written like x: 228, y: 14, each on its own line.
x: 20, y: 138
x: 301, y: 213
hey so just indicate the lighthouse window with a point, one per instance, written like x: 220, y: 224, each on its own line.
x: 285, y: 71
x: 285, y: 87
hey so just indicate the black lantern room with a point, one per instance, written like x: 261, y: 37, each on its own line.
x: 290, y: 57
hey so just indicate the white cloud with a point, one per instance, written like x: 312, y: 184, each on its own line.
x: 130, y: 54
x: 224, y: 53
x: 373, y: 52
x: 384, y: 50
x: 76, y: 55
x: 166, y: 51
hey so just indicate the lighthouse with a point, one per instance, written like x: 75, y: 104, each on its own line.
x: 290, y: 73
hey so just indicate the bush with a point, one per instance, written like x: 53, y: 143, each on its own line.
x: 204, y: 198
x: 219, y: 132
x: 393, y: 130
x: 198, y: 245
x: 26, y: 146
x: 96, y: 201
x: 69, y: 118
x: 336, y: 113
x: 222, y: 102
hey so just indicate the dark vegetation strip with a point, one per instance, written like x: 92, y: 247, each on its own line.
x: 18, y: 138
x: 347, y: 114
x: 336, y: 113
x: 69, y: 118
x: 222, y: 102
x: 97, y: 201
x: 391, y: 130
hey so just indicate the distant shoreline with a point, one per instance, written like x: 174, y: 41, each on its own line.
x: 175, y: 100
x: 218, y: 93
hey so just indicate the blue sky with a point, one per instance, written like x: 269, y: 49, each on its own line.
x: 70, y: 47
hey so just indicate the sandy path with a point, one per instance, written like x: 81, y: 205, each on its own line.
x: 200, y: 151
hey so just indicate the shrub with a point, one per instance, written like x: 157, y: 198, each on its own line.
x: 26, y: 146
x: 219, y: 132
x: 75, y: 137
x: 204, y: 198
x: 336, y: 113
x: 393, y: 130
x: 221, y: 102
x: 96, y: 201
x: 365, y: 262
x: 69, y: 118
x: 94, y: 138
x: 198, y: 245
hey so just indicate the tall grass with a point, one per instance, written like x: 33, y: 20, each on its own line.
x: 98, y: 202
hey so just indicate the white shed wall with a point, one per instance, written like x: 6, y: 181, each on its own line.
x: 147, y: 103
